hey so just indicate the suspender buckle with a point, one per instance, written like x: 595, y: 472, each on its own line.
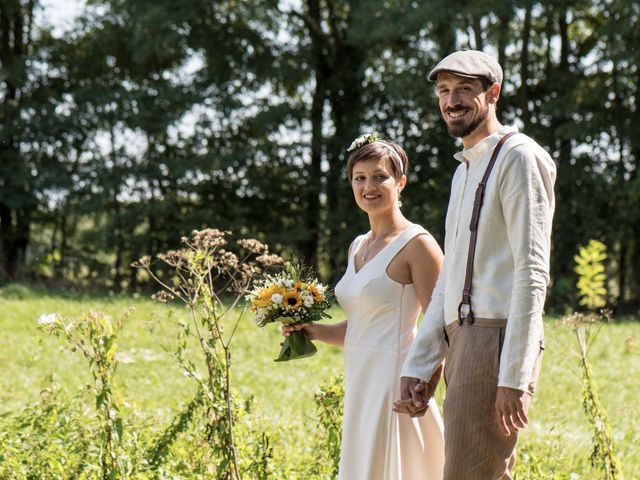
x: 465, y: 312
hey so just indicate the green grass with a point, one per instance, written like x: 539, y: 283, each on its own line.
x: 153, y: 386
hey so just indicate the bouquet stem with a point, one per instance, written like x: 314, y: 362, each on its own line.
x: 296, y: 345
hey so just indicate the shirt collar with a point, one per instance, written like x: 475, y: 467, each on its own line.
x: 487, y: 143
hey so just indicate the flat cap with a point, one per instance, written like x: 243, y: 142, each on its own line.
x: 469, y: 63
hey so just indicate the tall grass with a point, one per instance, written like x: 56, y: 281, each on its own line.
x: 278, y: 398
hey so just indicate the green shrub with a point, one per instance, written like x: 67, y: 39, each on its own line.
x: 15, y: 291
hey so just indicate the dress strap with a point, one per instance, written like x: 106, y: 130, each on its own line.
x: 400, y: 242
x: 355, y: 246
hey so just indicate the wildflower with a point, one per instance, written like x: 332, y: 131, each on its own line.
x: 228, y: 259
x: 48, y: 319
x: 252, y: 245
x: 144, y: 262
x: 175, y: 258
x: 270, y: 259
x: 162, y: 296
x: 208, y: 239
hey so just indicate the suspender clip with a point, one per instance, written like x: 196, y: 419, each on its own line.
x: 465, y: 312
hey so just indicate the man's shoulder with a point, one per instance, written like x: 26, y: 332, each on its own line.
x: 523, y: 153
x: 521, y: 144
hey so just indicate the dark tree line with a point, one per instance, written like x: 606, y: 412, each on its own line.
x: 149, y: 118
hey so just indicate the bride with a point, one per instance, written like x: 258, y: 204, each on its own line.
x: 390, y: 276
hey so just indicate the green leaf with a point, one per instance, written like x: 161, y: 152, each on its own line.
x: 119, y: 428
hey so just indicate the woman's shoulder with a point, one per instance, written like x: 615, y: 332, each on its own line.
x: 417, y: 230
x: 421, y: 240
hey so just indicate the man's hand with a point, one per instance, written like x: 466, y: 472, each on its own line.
x: 511, y: 406
x: 414, y: 397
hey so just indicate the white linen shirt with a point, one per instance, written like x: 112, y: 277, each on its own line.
x: 511, y: 268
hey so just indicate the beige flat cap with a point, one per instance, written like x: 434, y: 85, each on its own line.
x: 469, y: 63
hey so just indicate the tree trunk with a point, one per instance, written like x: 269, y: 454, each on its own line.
x: 345, y: 99
x: 310, y: 246
x: 503, y: 38
x: 117, y: 264
x: 523, y: 93
x: 634, y: 184
x: 476, y: 24
x: 16, y: 202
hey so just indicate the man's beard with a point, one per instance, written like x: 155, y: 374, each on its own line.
x: 462, y: 130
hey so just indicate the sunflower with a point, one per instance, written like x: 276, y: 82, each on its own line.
x: 318, y: 296
x: 264, y: 297
x: 292, y: 300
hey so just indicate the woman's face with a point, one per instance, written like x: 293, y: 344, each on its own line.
x: 374, y: 187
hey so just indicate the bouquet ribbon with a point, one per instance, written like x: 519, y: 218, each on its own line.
x: 296, y: 345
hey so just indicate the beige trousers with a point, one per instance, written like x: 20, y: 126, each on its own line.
x: 474, y: 447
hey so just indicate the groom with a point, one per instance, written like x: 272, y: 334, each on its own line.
x: 485, y: 316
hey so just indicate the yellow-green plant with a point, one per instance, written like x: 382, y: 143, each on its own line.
x: 210, y: 275
x: 591, y: 286
x: 329, y: 411
x: 591, y: 274
x: 94, y: 335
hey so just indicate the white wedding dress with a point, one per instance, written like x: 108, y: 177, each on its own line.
x: 377, y: 443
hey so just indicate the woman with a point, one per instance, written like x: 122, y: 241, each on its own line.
x: 390, y: 276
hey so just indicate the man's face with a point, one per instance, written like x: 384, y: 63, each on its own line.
x: 464, y: 103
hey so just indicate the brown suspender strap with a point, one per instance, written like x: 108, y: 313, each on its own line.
x: 473, y: 227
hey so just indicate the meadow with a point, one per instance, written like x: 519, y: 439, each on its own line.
x: 557, y: 444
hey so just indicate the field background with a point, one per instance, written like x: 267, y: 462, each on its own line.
x: 558, y: 438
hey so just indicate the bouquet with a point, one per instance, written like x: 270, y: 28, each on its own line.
x: 292, y: 296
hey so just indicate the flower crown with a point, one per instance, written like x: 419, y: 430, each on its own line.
x: 362, y: 140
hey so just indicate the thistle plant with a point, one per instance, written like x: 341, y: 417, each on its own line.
x: 210, y: 276
x: 94, y: 336
x: 590, y: 268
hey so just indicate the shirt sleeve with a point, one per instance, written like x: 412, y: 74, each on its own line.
x: 527, y: 198
x: 429, y: 347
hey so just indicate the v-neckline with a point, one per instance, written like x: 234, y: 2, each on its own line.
x: 355, y: 254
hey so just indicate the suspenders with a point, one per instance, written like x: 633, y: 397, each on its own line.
x: 464, y: 309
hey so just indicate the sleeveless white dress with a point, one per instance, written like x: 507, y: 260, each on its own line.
x: 377, y: 443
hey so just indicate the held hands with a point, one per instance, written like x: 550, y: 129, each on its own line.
x: 511, y: 410
x: 414, y: 397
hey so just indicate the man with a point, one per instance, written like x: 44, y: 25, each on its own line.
x: 485, y: 316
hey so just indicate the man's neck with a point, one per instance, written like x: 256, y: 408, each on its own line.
x: 490, y: 126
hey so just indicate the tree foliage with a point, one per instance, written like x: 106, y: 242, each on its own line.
x: 147, y: 119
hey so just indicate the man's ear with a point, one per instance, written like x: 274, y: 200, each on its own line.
x: 493, y: 94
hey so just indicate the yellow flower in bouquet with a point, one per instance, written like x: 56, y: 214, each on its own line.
x: 292, y: 300
x: 293, y: 296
